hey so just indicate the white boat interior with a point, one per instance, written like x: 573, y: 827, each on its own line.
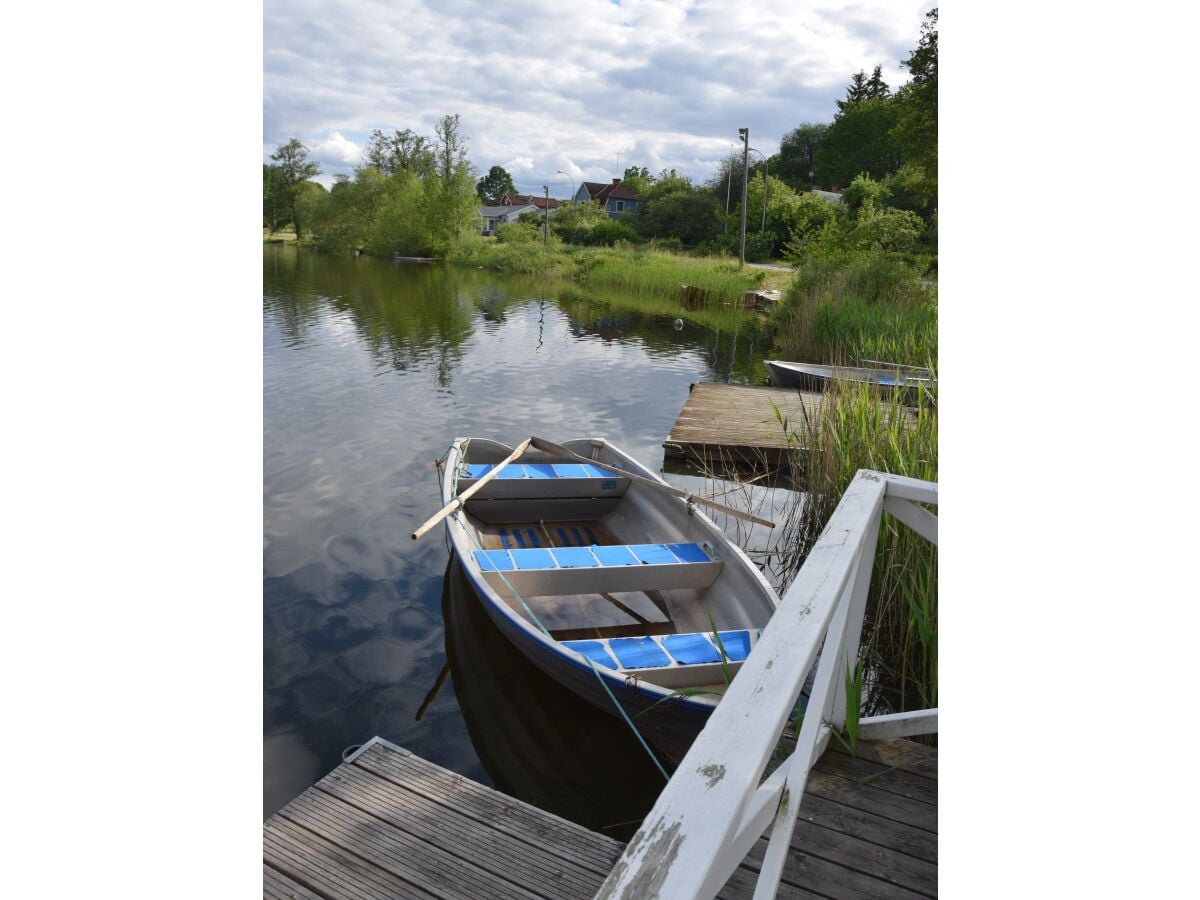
x: 632, y: 578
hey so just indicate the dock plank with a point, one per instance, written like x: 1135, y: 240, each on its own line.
x: 737, y: 421
x: 389, y: 824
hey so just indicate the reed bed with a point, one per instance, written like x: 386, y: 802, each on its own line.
x: 859, y: 429
x: 876, y: 307
x: 635, y: 270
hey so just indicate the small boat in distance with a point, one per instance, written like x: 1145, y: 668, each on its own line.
x: 606, y: 578
x: 813, y: 377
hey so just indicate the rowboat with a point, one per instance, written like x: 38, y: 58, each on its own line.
x: 812, y: 377
x: 605, y: 578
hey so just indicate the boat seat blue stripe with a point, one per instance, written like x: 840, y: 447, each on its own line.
x: 532, y: 559
x: 690, y: 649
x: 516, y: 533
x: 533, y: 537
x: 653, y: 554
x: 494, y: 560
x: 688, y: 552
x: 638, y: 653
x: 570, y: 470
x: 593, y: 650
x: 614, y: 556
x: 736, y: 644
x: 579, y: 541
x: 540, y: 470
x: 575, y: 557
x: 591, y: 538
x: 504, y: 539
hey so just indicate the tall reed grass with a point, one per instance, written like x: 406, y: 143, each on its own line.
x: 871, y: 307
x: 859, y: 429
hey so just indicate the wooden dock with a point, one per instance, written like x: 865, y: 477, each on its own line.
x: 387, y: 823
x: 736, y: 422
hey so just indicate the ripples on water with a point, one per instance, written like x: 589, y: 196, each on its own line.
x: 370, y: 370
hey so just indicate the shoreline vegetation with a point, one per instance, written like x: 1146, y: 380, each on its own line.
x: 862, y: 287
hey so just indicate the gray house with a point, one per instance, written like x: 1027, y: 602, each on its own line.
x: 493, y: 216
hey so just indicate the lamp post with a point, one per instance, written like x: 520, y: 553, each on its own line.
x: 744, y: 134
x: 546, y: 217
x: 561, y: 172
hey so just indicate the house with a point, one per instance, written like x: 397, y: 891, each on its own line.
x: 493, y: 216
x: 616, y: 198
x: 522, y: 199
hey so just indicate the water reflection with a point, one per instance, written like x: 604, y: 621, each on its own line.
x: 539, y: 741
x: 370, y: 370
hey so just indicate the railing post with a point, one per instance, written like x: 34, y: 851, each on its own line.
x: 859, y: 589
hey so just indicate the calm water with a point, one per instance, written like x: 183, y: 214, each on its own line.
x: 370, y: 369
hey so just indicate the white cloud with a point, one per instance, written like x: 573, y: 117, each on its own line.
x: 588, y: 87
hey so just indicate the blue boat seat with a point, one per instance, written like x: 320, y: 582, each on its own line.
x: 526, y: 566
x: 672, y: 660
x: 542, y: 481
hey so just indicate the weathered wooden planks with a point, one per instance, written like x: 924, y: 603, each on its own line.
x: 736, y: 422
x: 389, y: 824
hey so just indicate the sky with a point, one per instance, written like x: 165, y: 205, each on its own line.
x: 585, y: 88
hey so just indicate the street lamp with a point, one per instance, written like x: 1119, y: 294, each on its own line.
x: 561, y: 172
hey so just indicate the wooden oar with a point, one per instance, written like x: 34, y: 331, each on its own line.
x: 548, y: 447
x: 466, y: 495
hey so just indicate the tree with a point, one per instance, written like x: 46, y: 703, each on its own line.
x: 916, y: 129
x: 855, y: 92
x: 692, y: 216
x: 494, y: 186
x: 451, y: 146
x: 403, y: 151
x: 876, y: 86
x: 638, y: 179
x: 798, y: 154
x: 860, y: 140
x: 294, y: 169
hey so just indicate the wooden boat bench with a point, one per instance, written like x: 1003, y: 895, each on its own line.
x: 593, y: 569
x: 671, y: 660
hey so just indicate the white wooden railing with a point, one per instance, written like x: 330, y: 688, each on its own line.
x: 716, y: 806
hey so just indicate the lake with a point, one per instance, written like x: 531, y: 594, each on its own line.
x: 370, y: 369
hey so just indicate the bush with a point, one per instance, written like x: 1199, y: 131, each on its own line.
x: 608, y: 233
x: 516, y: 233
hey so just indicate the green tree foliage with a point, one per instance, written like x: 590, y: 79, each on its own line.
x: 862, y: 192
x: 860, y: 140
x: 609, y: 232
x: 637, y: 178
x: 916, y: 131
x: 574, y: 223
x: 276, y: 208
x: 494, y: 185
x: 292, y: 170
x: 692, y: 216
x: 518, y: 232
x: 798, y: 154
x: 402, y: 151
x: 450, y: 146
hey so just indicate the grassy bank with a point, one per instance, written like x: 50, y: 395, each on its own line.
x: 873, y: 306
x: 635, y: 270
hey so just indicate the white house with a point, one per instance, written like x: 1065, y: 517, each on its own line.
x: 493, y: 216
